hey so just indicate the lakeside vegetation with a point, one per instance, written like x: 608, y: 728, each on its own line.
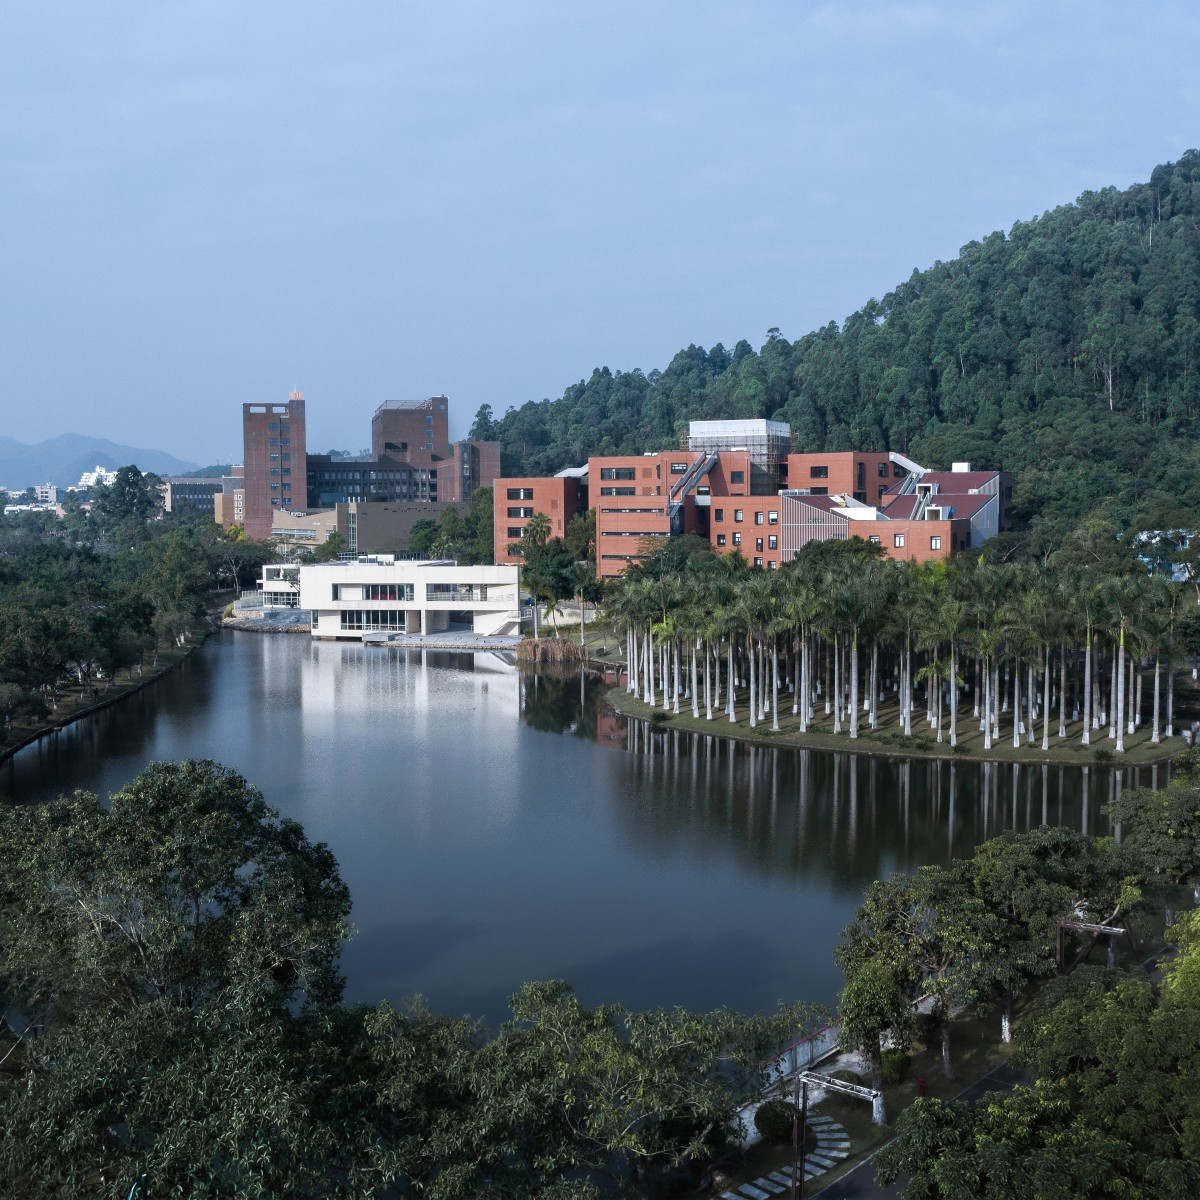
x: 103, y: 591
x: 173, y: 1011
x: 843, y: 646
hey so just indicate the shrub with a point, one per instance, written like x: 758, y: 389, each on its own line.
x: 774, y: 1120
x: 929, y: 1025
x: 1103, y: 756
x: 895, y: 1066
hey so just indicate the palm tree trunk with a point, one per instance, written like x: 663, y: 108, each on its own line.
x: 732, y: 694
x: 1016, y: 695
x: 695, y: 682
x: 649, y: 693
x: 854, y: 683
x: 908, y: 685
x: 875, y: 683
x: 1062, y: 692
x: 753, y: 697
x: 1119, y: 673
x: 953, y: 693
x: 837, y: 684
x: 774, y: 686
x: 1157, y: 691
x: 1087, y: 688
x: 987, y: 704
x: 1046, y: 702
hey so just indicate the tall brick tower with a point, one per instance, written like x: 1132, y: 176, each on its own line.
x: 276, y: 463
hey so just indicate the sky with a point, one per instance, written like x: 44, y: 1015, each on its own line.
x: 209, y: 204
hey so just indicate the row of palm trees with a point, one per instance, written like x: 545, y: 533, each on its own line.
x: 1023, y: 647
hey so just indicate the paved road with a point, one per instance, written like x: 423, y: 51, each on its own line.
x: 859, y: 1184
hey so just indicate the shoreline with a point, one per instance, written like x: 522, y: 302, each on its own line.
x: 921, y: 745
x: 107, y: 700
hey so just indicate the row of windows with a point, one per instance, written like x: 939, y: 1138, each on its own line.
x: 898, y: 540
x: 772, y: 517
x: 654, y: 512
x: 386, y: 591
x: 520, y: 512
x: 634, y: 533
x: 616, y: 491
x: 772, y: 541
x: 357, y: 619
x: 618, y: 472
x: 520, y: 493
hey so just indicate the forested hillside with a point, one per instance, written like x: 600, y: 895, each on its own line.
x: 1065, y: 352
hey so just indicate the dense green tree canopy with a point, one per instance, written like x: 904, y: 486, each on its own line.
x: 1065, y: 351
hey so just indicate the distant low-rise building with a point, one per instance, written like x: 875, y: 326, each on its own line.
x: 192, y: 493
x: 365, y: 526
x: 381, y: 593
x: 739, y: 486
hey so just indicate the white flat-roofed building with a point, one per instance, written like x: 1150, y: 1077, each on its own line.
x: 380, y: 593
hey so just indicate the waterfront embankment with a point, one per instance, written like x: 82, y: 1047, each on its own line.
x: 82, y: 699
x: 888, y: 740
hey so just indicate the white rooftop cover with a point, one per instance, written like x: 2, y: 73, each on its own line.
x: 752, y: 428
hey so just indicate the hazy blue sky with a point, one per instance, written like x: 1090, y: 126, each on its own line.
x: 203, y: 204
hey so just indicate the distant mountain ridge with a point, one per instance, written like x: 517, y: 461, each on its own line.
x: 62, y: 460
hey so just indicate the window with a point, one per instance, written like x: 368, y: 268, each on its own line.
x: 883, y: 470
x: 737, y: 539
x: 935, y: 542
x: 515, y: 532
x: 772, y: 541
x: 679, y: 468
x: 337, y: 587
x: 737, y: 516
x: 719, y: 514
x: 874, y: 539
x: 737, y: 476
x: 520, y: 493
x: 520, y: 513
x: 720, y: 539
x: 618, y: 473
x: 898, y: 540
x: 758, y: 518
x: 388, y: 591
x: 818, y: 491
x: 772, y: 565
x: 758, y: 544
x: 818, y: 472
x: 772, y: 518
x: 615, y: 491
x: 898, y: 471
x: 758, y: 562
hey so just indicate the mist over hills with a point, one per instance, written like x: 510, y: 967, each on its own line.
x: 61, y: 460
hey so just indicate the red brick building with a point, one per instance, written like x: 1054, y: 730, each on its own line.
x: 274, y: 463
x: 560, y: 497
x: 885, y: 498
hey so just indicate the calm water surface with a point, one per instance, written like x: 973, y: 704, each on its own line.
x: 495, y: 828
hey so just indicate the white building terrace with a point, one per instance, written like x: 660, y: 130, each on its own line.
x: 380, y: 593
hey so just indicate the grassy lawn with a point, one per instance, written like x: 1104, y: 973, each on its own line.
x: 888, y: 740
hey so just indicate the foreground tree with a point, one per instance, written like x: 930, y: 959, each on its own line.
x: 1114, y: 1110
